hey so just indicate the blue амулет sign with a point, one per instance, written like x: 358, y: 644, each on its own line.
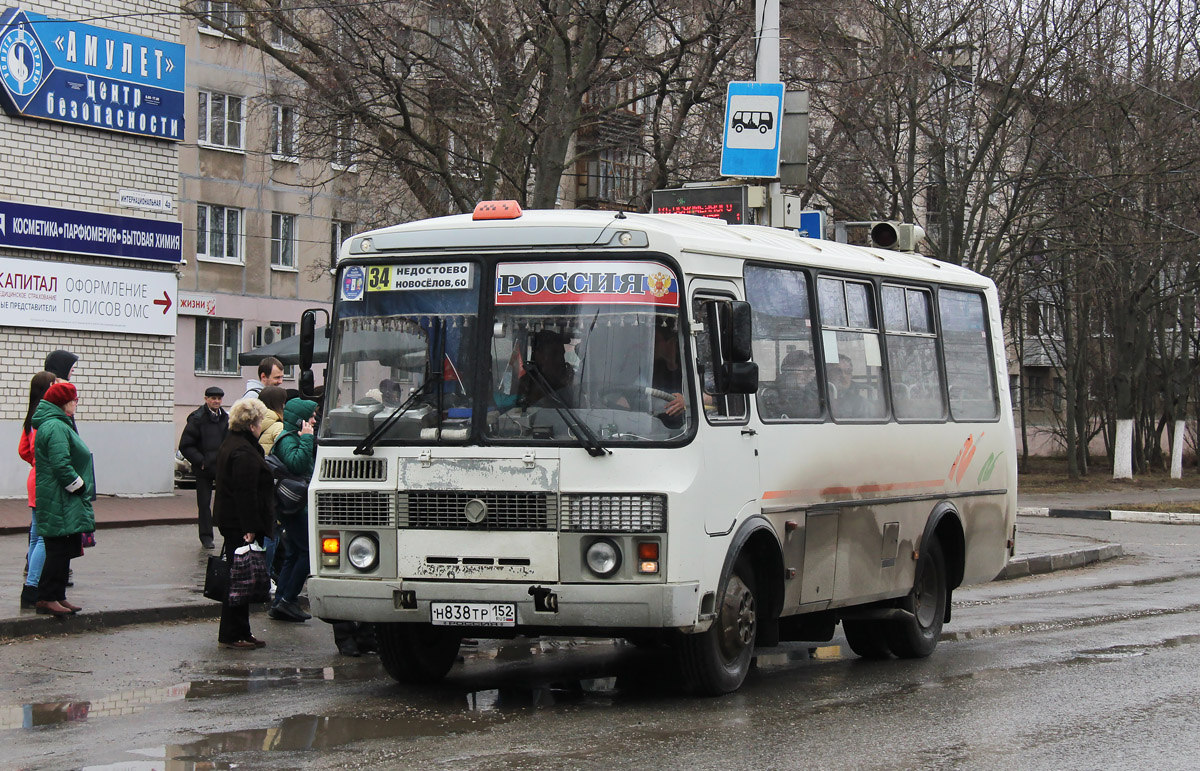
x: 51, y: 229
x: 70, y: 72
x: 753, y: 112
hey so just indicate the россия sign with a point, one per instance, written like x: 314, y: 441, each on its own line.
x: 67, y: 71
x: 51, y: 229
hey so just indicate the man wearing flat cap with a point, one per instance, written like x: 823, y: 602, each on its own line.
x: 202, y: 437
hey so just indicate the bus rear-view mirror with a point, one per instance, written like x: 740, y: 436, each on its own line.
x: 741, y: 377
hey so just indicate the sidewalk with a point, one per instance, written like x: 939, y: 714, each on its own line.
x: 112, y: 512
x: 1101, y: 505
x: 152, y: 574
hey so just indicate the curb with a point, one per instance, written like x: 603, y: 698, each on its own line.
x: 1146, y: 517
x: 107, y: 619
x: 109, y: 525
x: 1051, y: 563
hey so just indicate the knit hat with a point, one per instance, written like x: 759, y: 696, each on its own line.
x: 60, y: 362
x: 61, y: 393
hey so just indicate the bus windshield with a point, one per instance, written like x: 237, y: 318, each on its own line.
x: 597, y: 343
x: 576, y: 348
x: 404, y: 331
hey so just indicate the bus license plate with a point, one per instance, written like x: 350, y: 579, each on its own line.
x: 473, y: 614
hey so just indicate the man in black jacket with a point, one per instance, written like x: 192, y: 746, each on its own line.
x: 202, y: 437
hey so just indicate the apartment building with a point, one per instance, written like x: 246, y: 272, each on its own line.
x: 262, y: 216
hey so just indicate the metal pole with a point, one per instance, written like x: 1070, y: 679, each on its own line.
x: 766, y: 69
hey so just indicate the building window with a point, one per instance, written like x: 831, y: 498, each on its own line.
x: 218, y: 15
x: 276, y: 34
x: 286, y: 329
x: 283, y: 132
x: 338, y: 232
x: 220, y: 120
x: 283, y: 240
x: 343, y: 146
x: 218, y: 232
x: 616, y: 175
x: 217, y: 346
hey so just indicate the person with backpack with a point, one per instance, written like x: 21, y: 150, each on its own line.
x: 296, y: 448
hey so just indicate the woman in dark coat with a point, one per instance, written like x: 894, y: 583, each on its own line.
x: 244, y: 508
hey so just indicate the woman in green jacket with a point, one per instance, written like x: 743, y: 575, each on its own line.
x: 64, y: 487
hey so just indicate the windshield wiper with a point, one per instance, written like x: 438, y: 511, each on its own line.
x: 368, y: 443
x: 586, y: 437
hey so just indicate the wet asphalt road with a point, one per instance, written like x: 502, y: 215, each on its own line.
x: 1093, y: 668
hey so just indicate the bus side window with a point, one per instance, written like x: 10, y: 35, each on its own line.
x: 850, y: 342
x: 968, y: 356
x: 916, y: 378
x: 783, y: 344
x: 717, y: 407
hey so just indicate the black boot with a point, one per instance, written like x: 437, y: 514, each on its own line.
x: 28, y: 597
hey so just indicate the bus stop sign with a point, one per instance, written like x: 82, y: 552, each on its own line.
x: 753, y: 112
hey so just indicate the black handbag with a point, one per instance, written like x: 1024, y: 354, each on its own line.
x: 216, y: 578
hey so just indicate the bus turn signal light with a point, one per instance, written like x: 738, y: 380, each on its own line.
x: 647, y: 552
x: 497, y: 210
x: 331, y: 550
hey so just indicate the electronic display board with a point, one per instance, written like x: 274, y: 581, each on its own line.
x: 723, y: 202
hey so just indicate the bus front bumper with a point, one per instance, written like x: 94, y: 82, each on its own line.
x: 579, y: 606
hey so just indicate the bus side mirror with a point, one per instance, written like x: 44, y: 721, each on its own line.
x: 308, y: 337
x: 307, y: 382
x: 741, y: 377
x: 739, y: 332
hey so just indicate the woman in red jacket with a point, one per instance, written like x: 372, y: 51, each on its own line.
x: 36, y: 556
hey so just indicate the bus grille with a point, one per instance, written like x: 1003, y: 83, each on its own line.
x: 354, y: 469
x: 606, y: 513
x: 441, y: 510
x: 336, y: 509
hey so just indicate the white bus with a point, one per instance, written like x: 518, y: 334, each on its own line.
x: 656, y: 427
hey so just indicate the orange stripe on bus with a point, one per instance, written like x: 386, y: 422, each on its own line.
x: 883, y: 488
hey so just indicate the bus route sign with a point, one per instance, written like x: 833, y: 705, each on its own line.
x: 753, y: 112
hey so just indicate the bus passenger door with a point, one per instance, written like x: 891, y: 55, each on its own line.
x: 729, y: 445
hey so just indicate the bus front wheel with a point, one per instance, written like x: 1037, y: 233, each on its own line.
x: 717, y: 661
x: 916, y: 637
x: 417, y: 653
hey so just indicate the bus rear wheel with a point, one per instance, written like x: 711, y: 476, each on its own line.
x: 868, y: 639
x: 717, y: 661
x: 417, y: 653
x: 915, y: 638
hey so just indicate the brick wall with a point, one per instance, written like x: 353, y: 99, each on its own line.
x: 126, y: 381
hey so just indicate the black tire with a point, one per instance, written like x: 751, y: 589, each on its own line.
x: 417, y: 653
x: 916, y: 638
x: 717, y: 661
x: 868, y: 639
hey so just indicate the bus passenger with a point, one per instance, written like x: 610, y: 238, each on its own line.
x: 798, y: 397
x: 550, y: 359
x: 847, y: 402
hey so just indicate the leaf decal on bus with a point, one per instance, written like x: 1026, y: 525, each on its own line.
x: 985, y: 473
x: 958, y: 469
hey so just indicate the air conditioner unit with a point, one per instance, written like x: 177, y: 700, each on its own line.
x: 265, y: 335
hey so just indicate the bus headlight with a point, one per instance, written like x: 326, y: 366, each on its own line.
x: 603, y: 558
x: 363, y: 552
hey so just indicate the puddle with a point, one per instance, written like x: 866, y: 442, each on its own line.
x: 232, y: 681
x: 1118, y: 652
x: 293, y: 734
